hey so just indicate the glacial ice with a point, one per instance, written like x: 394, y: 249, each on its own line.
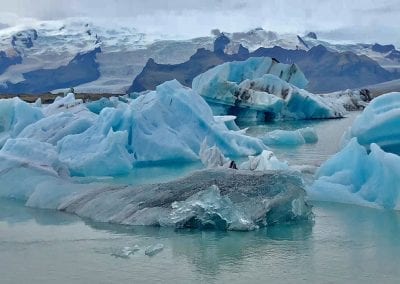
x: 266, y: 161
x: 366, y: 171
x: 224, y: 199
x: 212, y: 157
x: 290, y: 138
x: 218, y: 198
x: 175, y: 119
x: 379, y: 123
x: 168, y: 124
x: 15, y: 115
x: 153, y: 249
x: 51, y: 143
x: 355, y: 175
x: 262, y: 89
x: 208, y: 209
x: 53, y: 128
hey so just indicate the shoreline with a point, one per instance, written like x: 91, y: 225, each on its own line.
x: 48, y: 98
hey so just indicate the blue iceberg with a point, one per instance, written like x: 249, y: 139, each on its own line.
x: 290, y: 137
x: 260, y: 88
x: 379, y: 123
x: 367, y: 170
x: 168, y: 124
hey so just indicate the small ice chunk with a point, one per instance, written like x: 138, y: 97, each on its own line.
x: 264, y: 162
x: 309, y: 134
x: 125, y: 252
x: 153, y: 249
x: 291, y: 138
x: 212, y: 157
x: 228, y: 120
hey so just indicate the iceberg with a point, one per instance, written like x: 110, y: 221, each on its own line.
x: 172, y: 122
x: 260, y: 88
x: 15, y: 115
x: 168, y: 124
x: 379, y: 123
x: 290, y: 138
x: 223, y: 199
x: 366, y: 171
x: 97, y: 106
x: 153, y: 249
x: 266, y: 161
x: 53, y: 128
x: 357, y: 176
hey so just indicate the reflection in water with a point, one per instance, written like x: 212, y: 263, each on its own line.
x: 14, y: 211
x: 332, y: 250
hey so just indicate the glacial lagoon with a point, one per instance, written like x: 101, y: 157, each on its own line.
x: 345, y: 244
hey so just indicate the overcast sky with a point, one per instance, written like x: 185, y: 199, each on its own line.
x: 358, y: 20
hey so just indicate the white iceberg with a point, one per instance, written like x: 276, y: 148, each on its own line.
x: 266, y: 161
x: 212, y: 157
x: 262, y: 89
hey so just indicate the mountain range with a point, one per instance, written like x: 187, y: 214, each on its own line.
x: 115, y: 58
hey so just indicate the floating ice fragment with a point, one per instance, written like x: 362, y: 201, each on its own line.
x: 266, y: 161
x: 153, y: 249
x: 291, y: 138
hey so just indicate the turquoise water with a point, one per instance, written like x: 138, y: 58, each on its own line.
x: 329, y: 133
x: 347, y: 244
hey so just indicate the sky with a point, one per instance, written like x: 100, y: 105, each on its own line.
x: 349, y: 20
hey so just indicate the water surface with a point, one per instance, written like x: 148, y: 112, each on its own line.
x: 347, y: 244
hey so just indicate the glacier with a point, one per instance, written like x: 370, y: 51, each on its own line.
x: 366, y: 171
x: 261, y: 89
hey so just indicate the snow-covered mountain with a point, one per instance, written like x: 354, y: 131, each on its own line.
x: 112, y: 53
